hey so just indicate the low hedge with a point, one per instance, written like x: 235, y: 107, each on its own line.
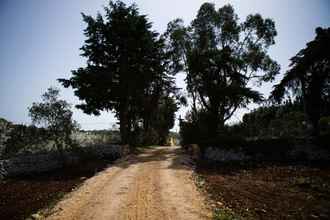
x: 224, y: 141
x: 270, y: 148
x: 276, y: 148
x: 322, y: 140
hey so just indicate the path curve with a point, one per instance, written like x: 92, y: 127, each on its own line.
x: 155, y: 184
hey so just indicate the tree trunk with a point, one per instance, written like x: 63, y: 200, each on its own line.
x: 214, y: 123
x: 124, y: 123
x: 315, y: 103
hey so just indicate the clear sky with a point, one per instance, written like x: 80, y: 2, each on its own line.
x: 40, y: 41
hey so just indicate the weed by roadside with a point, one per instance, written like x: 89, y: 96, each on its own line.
x: 224, y: 214
x: 219, y: 210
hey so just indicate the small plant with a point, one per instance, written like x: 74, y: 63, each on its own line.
x: 199, y: 180
x: 224, y: 214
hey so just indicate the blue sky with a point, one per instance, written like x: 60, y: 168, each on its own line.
x: 40, y: 41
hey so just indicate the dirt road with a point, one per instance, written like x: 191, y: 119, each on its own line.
x: 155, y: 184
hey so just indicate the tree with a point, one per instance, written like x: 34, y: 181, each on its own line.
x: 5, y: 128
x: 221, y: 57
x: 56, y: 117
x: 161, y: 121
x: 125, y: 67
x: 275, y: 120
x: 309, y: 78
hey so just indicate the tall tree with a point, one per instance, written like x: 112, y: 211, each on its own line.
x: 221, y: 57
x: 309, y: 77
x: 124, y: 65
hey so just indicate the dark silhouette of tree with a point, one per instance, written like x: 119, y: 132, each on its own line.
x: 309, y: 77
x: 221, y: 56
x: 126, y: 68
x: 161, y: 121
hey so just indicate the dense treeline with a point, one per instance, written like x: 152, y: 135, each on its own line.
x: 275, y: 121
x: 309, y: 79
x: 128, y: 71
x: 298, y: 106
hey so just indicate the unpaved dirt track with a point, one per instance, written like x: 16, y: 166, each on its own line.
x: 155, y: 184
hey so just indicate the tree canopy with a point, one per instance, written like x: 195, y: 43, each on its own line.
x: 55, y: 116
x: 221, y: 56
x: 309, y: 78
x: 126, y: 68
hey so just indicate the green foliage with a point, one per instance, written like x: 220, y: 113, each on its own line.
x: 309, y: 78
x: 195, y: 127
x: 275, y: 121
x: 323, y: 140
x: 228, y: 141
x: 221, y: 56
x: 5, y: 127
x: 269, y: 148
x: 24, y: 138
x: 325, y: 124
x: 126, y: 68
x: 224, y: 214
x: 55, y: 116
x: 163, y: 120
x: 96, y: 137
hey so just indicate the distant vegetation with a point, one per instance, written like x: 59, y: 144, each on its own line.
x: 53, y: 129
x: 18, y: 138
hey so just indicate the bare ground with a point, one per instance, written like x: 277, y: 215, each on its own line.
x: 269, y: 191
x: 156, y: 184
x: 22, y: 196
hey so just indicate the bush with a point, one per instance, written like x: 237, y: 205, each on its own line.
x: 325, y: 125
x: 195, y: 128
x: 268, y: 148
x: 272, y: 148
x: 189, y: 133
x: 322, y: 140
x: 224, y: 141
x: 22, y: 138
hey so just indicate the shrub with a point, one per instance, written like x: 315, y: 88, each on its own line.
x: 322, y: 140
x: 22, y: 138
x: 325, y: 125
x: 224, y: 141
x: 268, y: 148
x: 271, y: 148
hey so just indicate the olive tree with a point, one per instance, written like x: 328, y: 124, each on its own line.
x: 55, y: 116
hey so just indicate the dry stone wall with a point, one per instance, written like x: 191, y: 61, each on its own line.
x: 41, y: 162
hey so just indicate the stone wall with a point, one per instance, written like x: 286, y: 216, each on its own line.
x: 40, y: 162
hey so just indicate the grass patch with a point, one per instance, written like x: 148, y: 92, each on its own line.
x: 224, y: 214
